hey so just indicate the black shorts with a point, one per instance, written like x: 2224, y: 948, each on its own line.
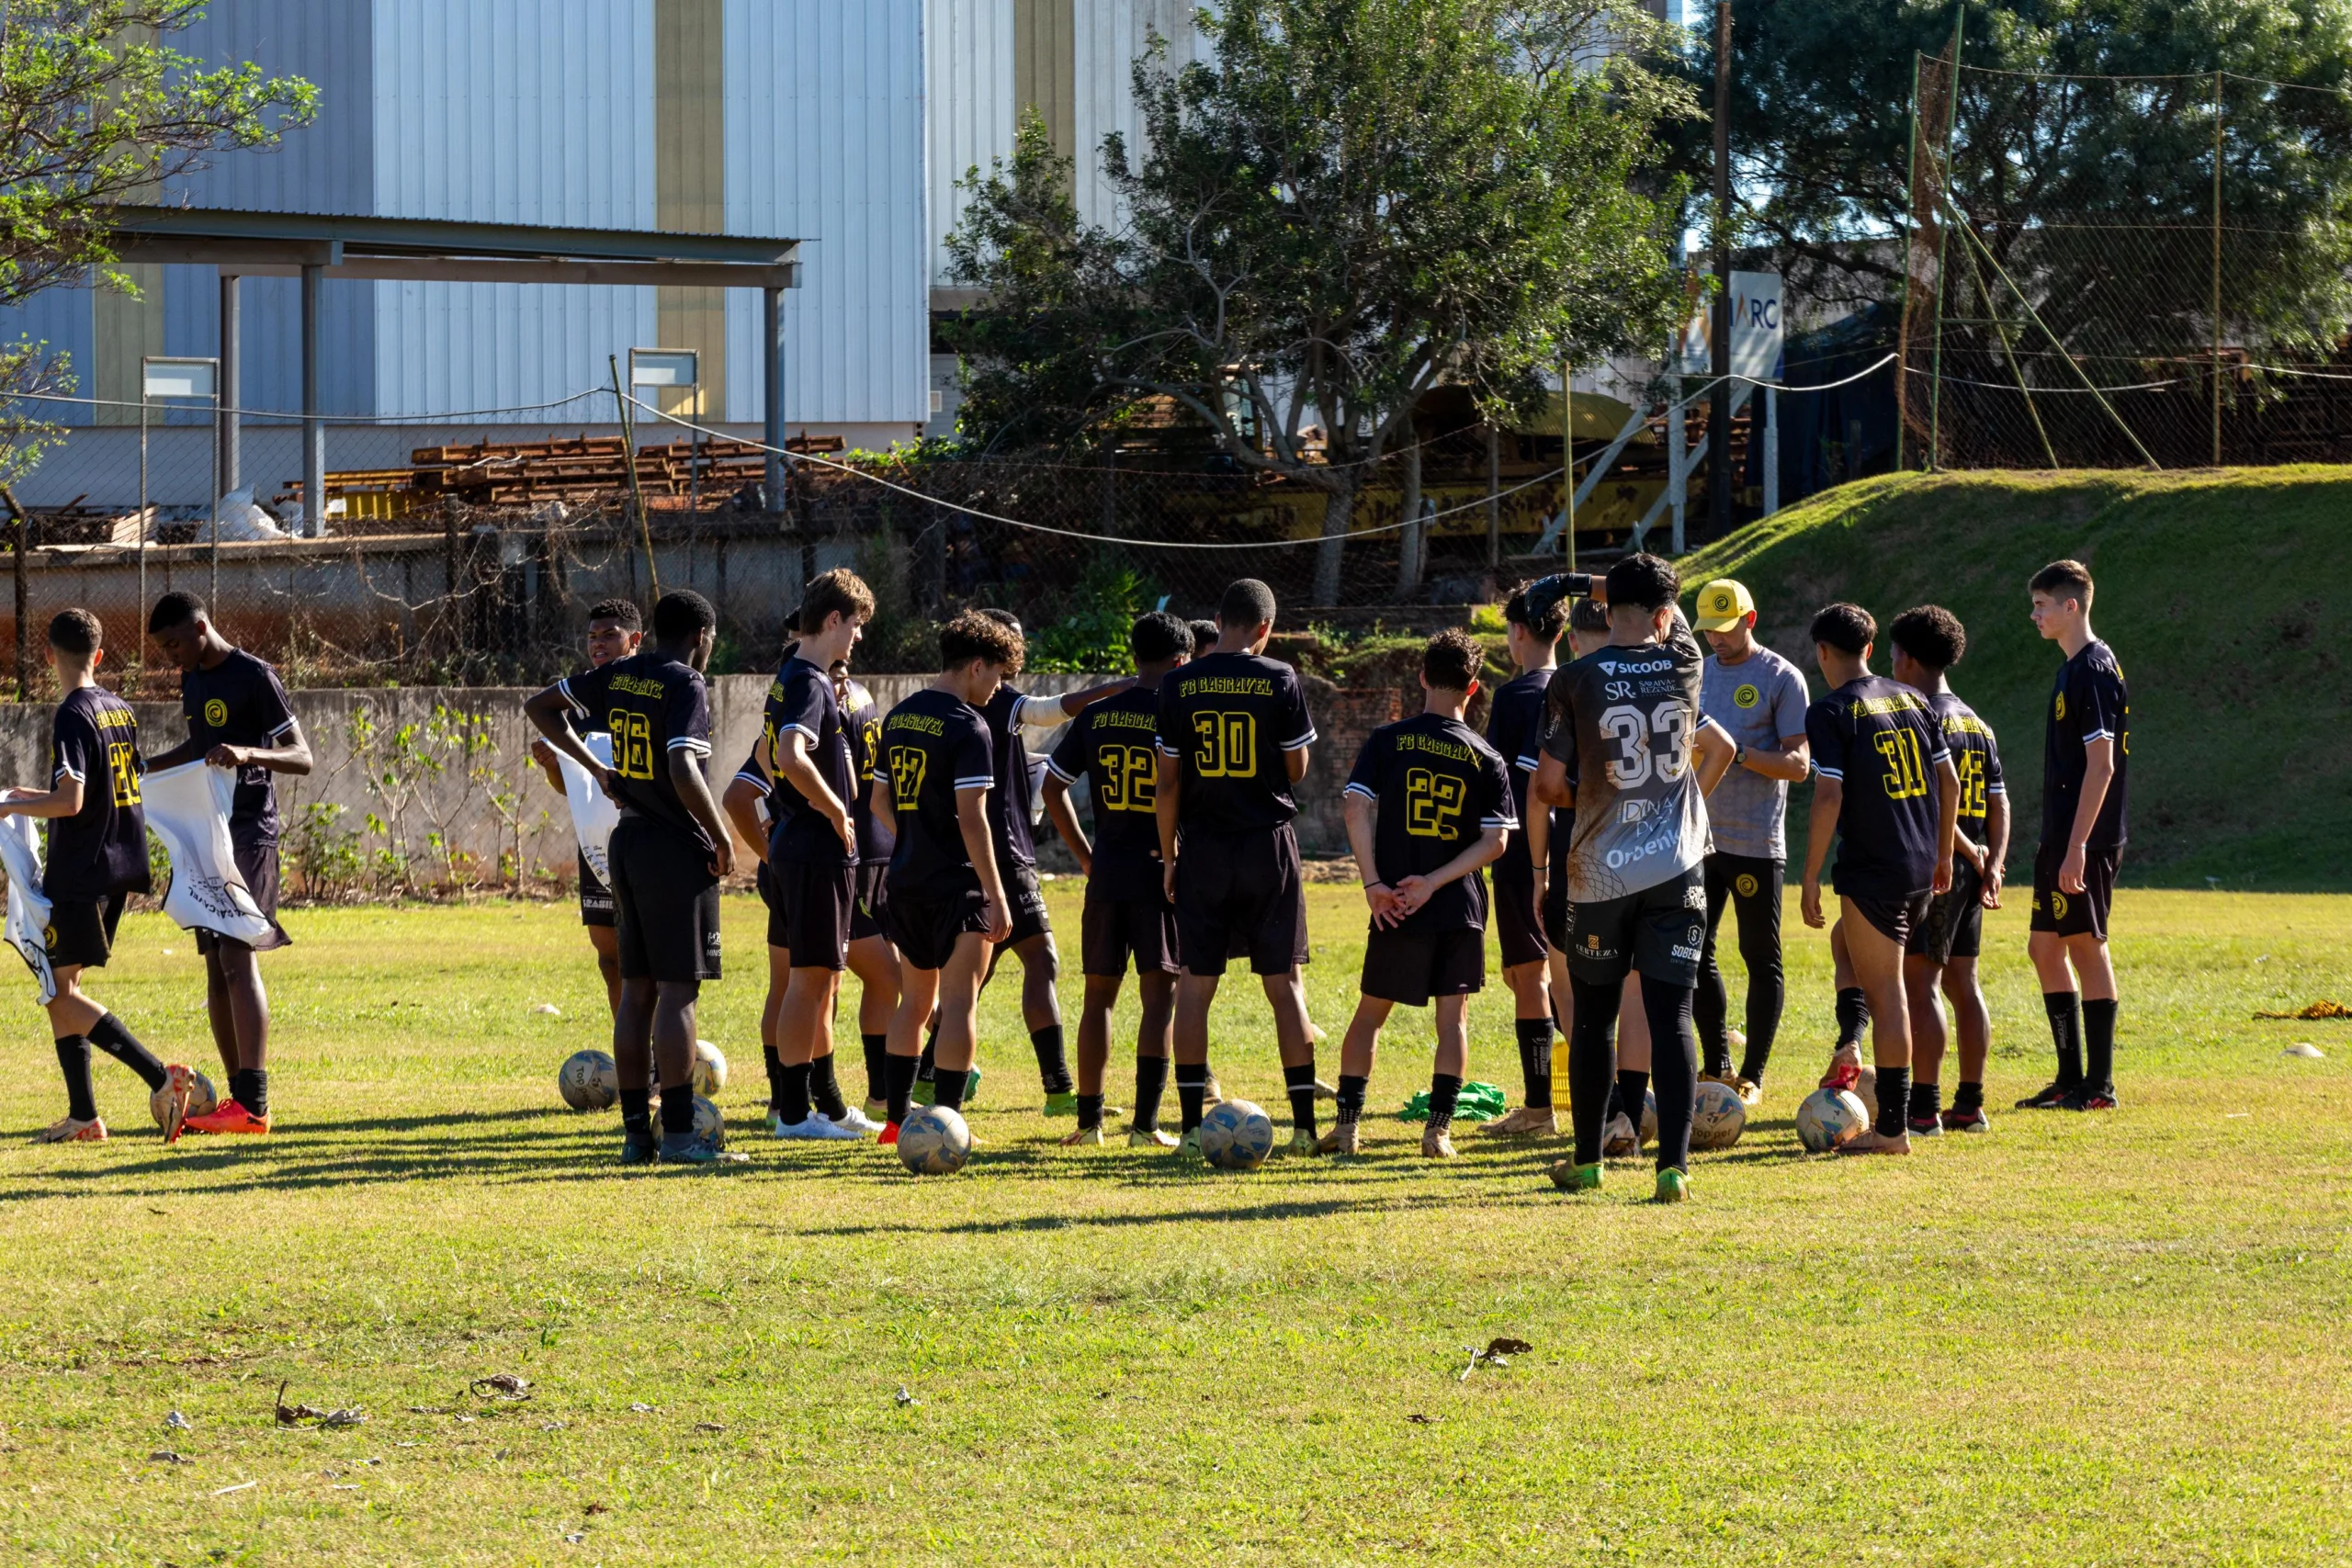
x: 1518, y: 924
x: 1954, y: 925
x: 1240, y: 894
x: 1409, y: 968
x: 2074, y: 914
x: 81, y: 930
x: 873, y: 898
x: 665, y: 901
x: 1114, y: 929
x: 809, y: 913
x: 1660, y: 930
x: 595, y: 899
x: 1559, y: 917
x: 1027, y: 896
x: 258, y: 864
x: 1894, y: 916
x: 924, y: 928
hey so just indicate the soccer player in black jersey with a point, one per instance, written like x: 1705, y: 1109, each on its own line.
x: 614, y: 630
x: 670, y: 852
x: 1444, y: 804
x: 871, y: 957
x: 1127, y: 913
x: 746, y: 803
x: 1630, y: 750
x: 947, y: 898
x: 1233, y: 737
x: 1943, y: 950
x: 97, y: 858
x: 1889, y: 795
x: 238, y: 718
x: 2086, y: 768
x: 1515, y: 729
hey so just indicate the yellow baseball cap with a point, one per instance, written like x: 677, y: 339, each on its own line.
x: 1723, y: 604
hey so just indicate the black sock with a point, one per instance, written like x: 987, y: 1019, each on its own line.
x: 1674, y: 1061
x: 108, y: 1035
x: 947, y: 1090
x: 1593, y: 1065
x: 73, y: 1059
x: 775, y: 1078
x: 249, y: 1087
x: 1893, y: 1101
x: 824, y: 1090
x: 1853, y: 1017
x: 1053, y: 1068
x: 1633, y: 1097
x: 1090, y: 1111
x: 678, y: 1111
x: 1351, y: 1092
x: 898, y: 1086
x: 1151, y: 1082
x: 878, y: 1074
x: 1300, y: 1082
x: 1926, y: 1101
x: 637, y: 1111
x: 928, y: 1063
x: 792, y: 1093
x: 1969, y: 1096
x: 1535, y: 1061
x: 1445, y: 1093
x: 1192, y: 1090
x: 2099, y: 1043
x: 2065, y: 1010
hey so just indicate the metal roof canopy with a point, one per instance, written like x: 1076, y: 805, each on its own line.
x: 315, y: 246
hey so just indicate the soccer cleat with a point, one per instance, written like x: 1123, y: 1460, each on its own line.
x: 1344, y: 1138
x: 1673, y: 1185
x: 179, y: 1084
x: 1970, y: 1121
x: 925, y: 1092
x: 1928, y: 1126
x: 1527, y: 1122
x: 1084, y: 1137
x: 1437, y: 1142
x: 69, y: 1130
x: 1845, y: 1068
x: 1326, y: 1091
x: 1870, y: 1140
x: 1570, y: 1176
x: 878, y: 1112
x: 1750, y: 1091
x: 889, y: 1138
x: 1302, y: 1143
x: 693, y: 1148
x: 1149, y: 1138
x: 814, y: 1129
x: 1619, y: 1140
x: 640, y: 1151
x: 1189, y: 1146
x: 2090, y: 1099
x: 228, y: 1117
x: 856, y: 1121
x: 1061, y: 1103
x: 2048, y: 1097
x: 1725, y: 1077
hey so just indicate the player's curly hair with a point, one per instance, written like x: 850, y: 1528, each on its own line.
x: 1157, y: 637
x: 975, y: 635
x: 682, y: 614
x: 1645, y: 582
x: 177, y: 608
x: 1451, y: 661
x: 1204, y: 636
x: 622, y: 613
x: 1848, y: 628
x: 1932, y: 634
x: 1545, y: 620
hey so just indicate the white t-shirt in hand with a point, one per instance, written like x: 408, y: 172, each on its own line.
x: 1757, y: 700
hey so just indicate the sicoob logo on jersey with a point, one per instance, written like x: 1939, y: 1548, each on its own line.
x: 216, y: 713
x: 1748, y: 696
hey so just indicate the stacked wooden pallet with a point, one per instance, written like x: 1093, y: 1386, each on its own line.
x: 531, y: 473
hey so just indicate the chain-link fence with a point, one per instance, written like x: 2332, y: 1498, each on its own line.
x: 2111, y: 272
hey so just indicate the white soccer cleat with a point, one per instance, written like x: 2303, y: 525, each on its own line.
x: 856, y: 1121
x: 815, y: 1129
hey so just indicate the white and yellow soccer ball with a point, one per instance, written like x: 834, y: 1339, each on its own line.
x: 1717, y: 1117
x: 1237, y: 1135
x: 1648, y: 1130
x: 934, y: 1141
x: 589, y: 1081
x: 709, y: 1125
x: 710, y: 1069
x: 1828, y: 1117
x: 202, y: 1097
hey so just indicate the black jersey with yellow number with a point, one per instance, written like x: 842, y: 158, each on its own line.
x: 1009, y: 805
x: 102, y: 848
x: 2088, y: 703
x: 241, y: 701
x: 802, y: 701
x: 1879, y: 740
x: 935, y: 747
x: 1975, y: 756
x: 651, y: 706
x: 1438, y: 787
x: 862, y: 719
x: 1228, y: 720
x: 1112, y: 746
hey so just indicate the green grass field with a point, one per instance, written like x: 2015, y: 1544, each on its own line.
x: 2079, y: 1341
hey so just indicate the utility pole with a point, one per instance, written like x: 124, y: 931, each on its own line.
x: 1719, y: 476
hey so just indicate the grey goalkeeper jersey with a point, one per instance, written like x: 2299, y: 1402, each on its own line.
x: 1622, y: 720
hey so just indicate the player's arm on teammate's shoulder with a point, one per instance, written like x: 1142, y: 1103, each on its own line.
x: 1712, y: 751
x: 549, y: 711
x: 1168, y: 791
x: 1065, y: 820
x: 741, y: 801
x: 972, y: 824
x: 1050, y: 712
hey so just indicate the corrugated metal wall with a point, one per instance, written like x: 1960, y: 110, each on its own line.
x: 970, y: 108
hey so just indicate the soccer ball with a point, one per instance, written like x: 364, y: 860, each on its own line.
x: 709, y: 1125
x: 1829, y: 1117
x: 710, y: 1068
x: 1649, y: 1132
x: 1237, y: 1135
x: 1866, y: 1090
x: 589, y: 1081
x: 934, y: 1141
x: 1717, y: 1117
x: 202, y: 1097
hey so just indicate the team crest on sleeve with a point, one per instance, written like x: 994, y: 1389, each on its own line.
x: 1748, y: 696
x: 216, y: 713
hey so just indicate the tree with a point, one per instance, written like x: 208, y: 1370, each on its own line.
x: 96, y: 110
x: 1352, y: 202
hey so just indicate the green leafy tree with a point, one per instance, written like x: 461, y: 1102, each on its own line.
x: 1351, y: 202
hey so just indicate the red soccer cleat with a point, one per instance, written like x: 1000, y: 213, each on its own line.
x: 889, y: 1137
x: 230, y: 1116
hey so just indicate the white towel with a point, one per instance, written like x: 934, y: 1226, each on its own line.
x: 594, y: 814
x: 28, y: 925
x: 188, y: 809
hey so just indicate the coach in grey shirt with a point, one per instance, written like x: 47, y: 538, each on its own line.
x: 1760, y: 697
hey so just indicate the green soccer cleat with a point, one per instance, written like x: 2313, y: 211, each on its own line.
x: 1189, y: 1146
x: 1061, y: 1103
x: 925, y: 1092
x: 1570, y: 1176
x: 1302, y: 1143
x: 1673, y: 1185
x: 640, y: 1151
x: 1151, y: 1138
